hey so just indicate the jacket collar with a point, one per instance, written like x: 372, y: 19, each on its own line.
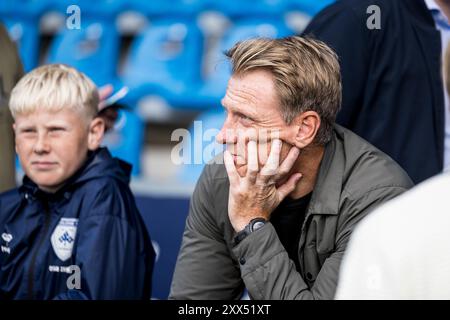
x: 327, y: 191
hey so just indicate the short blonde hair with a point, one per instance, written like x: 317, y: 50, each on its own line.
x: 306, y: 74
x: 54, y: 87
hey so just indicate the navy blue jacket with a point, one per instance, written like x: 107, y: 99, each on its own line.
x: 392, y: 86
x: 92, y: 223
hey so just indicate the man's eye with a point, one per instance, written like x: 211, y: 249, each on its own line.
x: 245, y: 118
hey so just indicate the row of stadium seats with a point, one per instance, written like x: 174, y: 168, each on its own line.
x: 162, y: 7
x: 165, y: 59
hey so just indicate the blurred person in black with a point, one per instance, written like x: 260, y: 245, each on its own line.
x: 393, y: 92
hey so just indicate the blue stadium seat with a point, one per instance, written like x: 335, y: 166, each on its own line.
x: 100, y: 9
x: 202, y: 145
x: 126, y: 139
x: 214, y: 84
x: 164, y: 60
x: 93, y: 49
x: 164, y: 7
x: 18, y: 9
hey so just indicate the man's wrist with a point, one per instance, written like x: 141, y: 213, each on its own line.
x: 254, y: 225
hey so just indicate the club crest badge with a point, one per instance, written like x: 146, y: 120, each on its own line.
x: 63, y: 238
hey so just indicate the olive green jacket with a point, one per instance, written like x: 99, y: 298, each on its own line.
x: 354, y: 178
x: 10, y: 73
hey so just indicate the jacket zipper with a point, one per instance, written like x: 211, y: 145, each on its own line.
x: 36, y: 250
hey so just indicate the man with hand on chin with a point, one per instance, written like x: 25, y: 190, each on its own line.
x: 276, y: 218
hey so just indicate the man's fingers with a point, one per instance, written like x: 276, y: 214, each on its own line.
x: 288, y: 186
x: 273, y: 162
x: 231, y: 169
x: 252, y: 162
x: 288, y: 163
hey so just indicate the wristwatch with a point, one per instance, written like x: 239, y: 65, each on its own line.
x: 252, y: 226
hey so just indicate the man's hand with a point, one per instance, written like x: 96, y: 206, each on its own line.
x: 257, y: 194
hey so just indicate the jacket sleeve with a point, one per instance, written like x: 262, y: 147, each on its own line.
x: 341, y: 28
x: 268, y: 272
x: 204, y: 268
x: 113, y: 250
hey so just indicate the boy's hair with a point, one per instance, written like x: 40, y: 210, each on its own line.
x: 55, y: 87
x: 306, y: 74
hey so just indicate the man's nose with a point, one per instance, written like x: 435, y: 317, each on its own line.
x: 42, y: 144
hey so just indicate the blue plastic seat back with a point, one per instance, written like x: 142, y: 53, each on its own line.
x: 166, y: 54
x: 21, y: 8
x: 202, y: 146
x: 126, y: 139
x: 93, y: 49
x: 92, y: 9
x: 164, y: 7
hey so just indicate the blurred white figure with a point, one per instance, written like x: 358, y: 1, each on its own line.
x: 402, y: 249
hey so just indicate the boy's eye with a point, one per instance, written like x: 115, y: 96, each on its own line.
x: 56, y: 129
x: 28, y: 130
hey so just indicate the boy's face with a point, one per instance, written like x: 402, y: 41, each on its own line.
x: 52, y: 146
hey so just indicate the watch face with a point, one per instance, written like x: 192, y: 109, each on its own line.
x: 257, y: 225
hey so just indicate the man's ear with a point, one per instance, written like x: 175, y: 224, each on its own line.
x: 305, y: 127
x: 96, y: 132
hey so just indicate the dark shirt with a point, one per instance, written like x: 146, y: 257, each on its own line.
x: 287, y: 220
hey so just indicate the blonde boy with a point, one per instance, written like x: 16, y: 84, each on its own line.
x: 72, y: 230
